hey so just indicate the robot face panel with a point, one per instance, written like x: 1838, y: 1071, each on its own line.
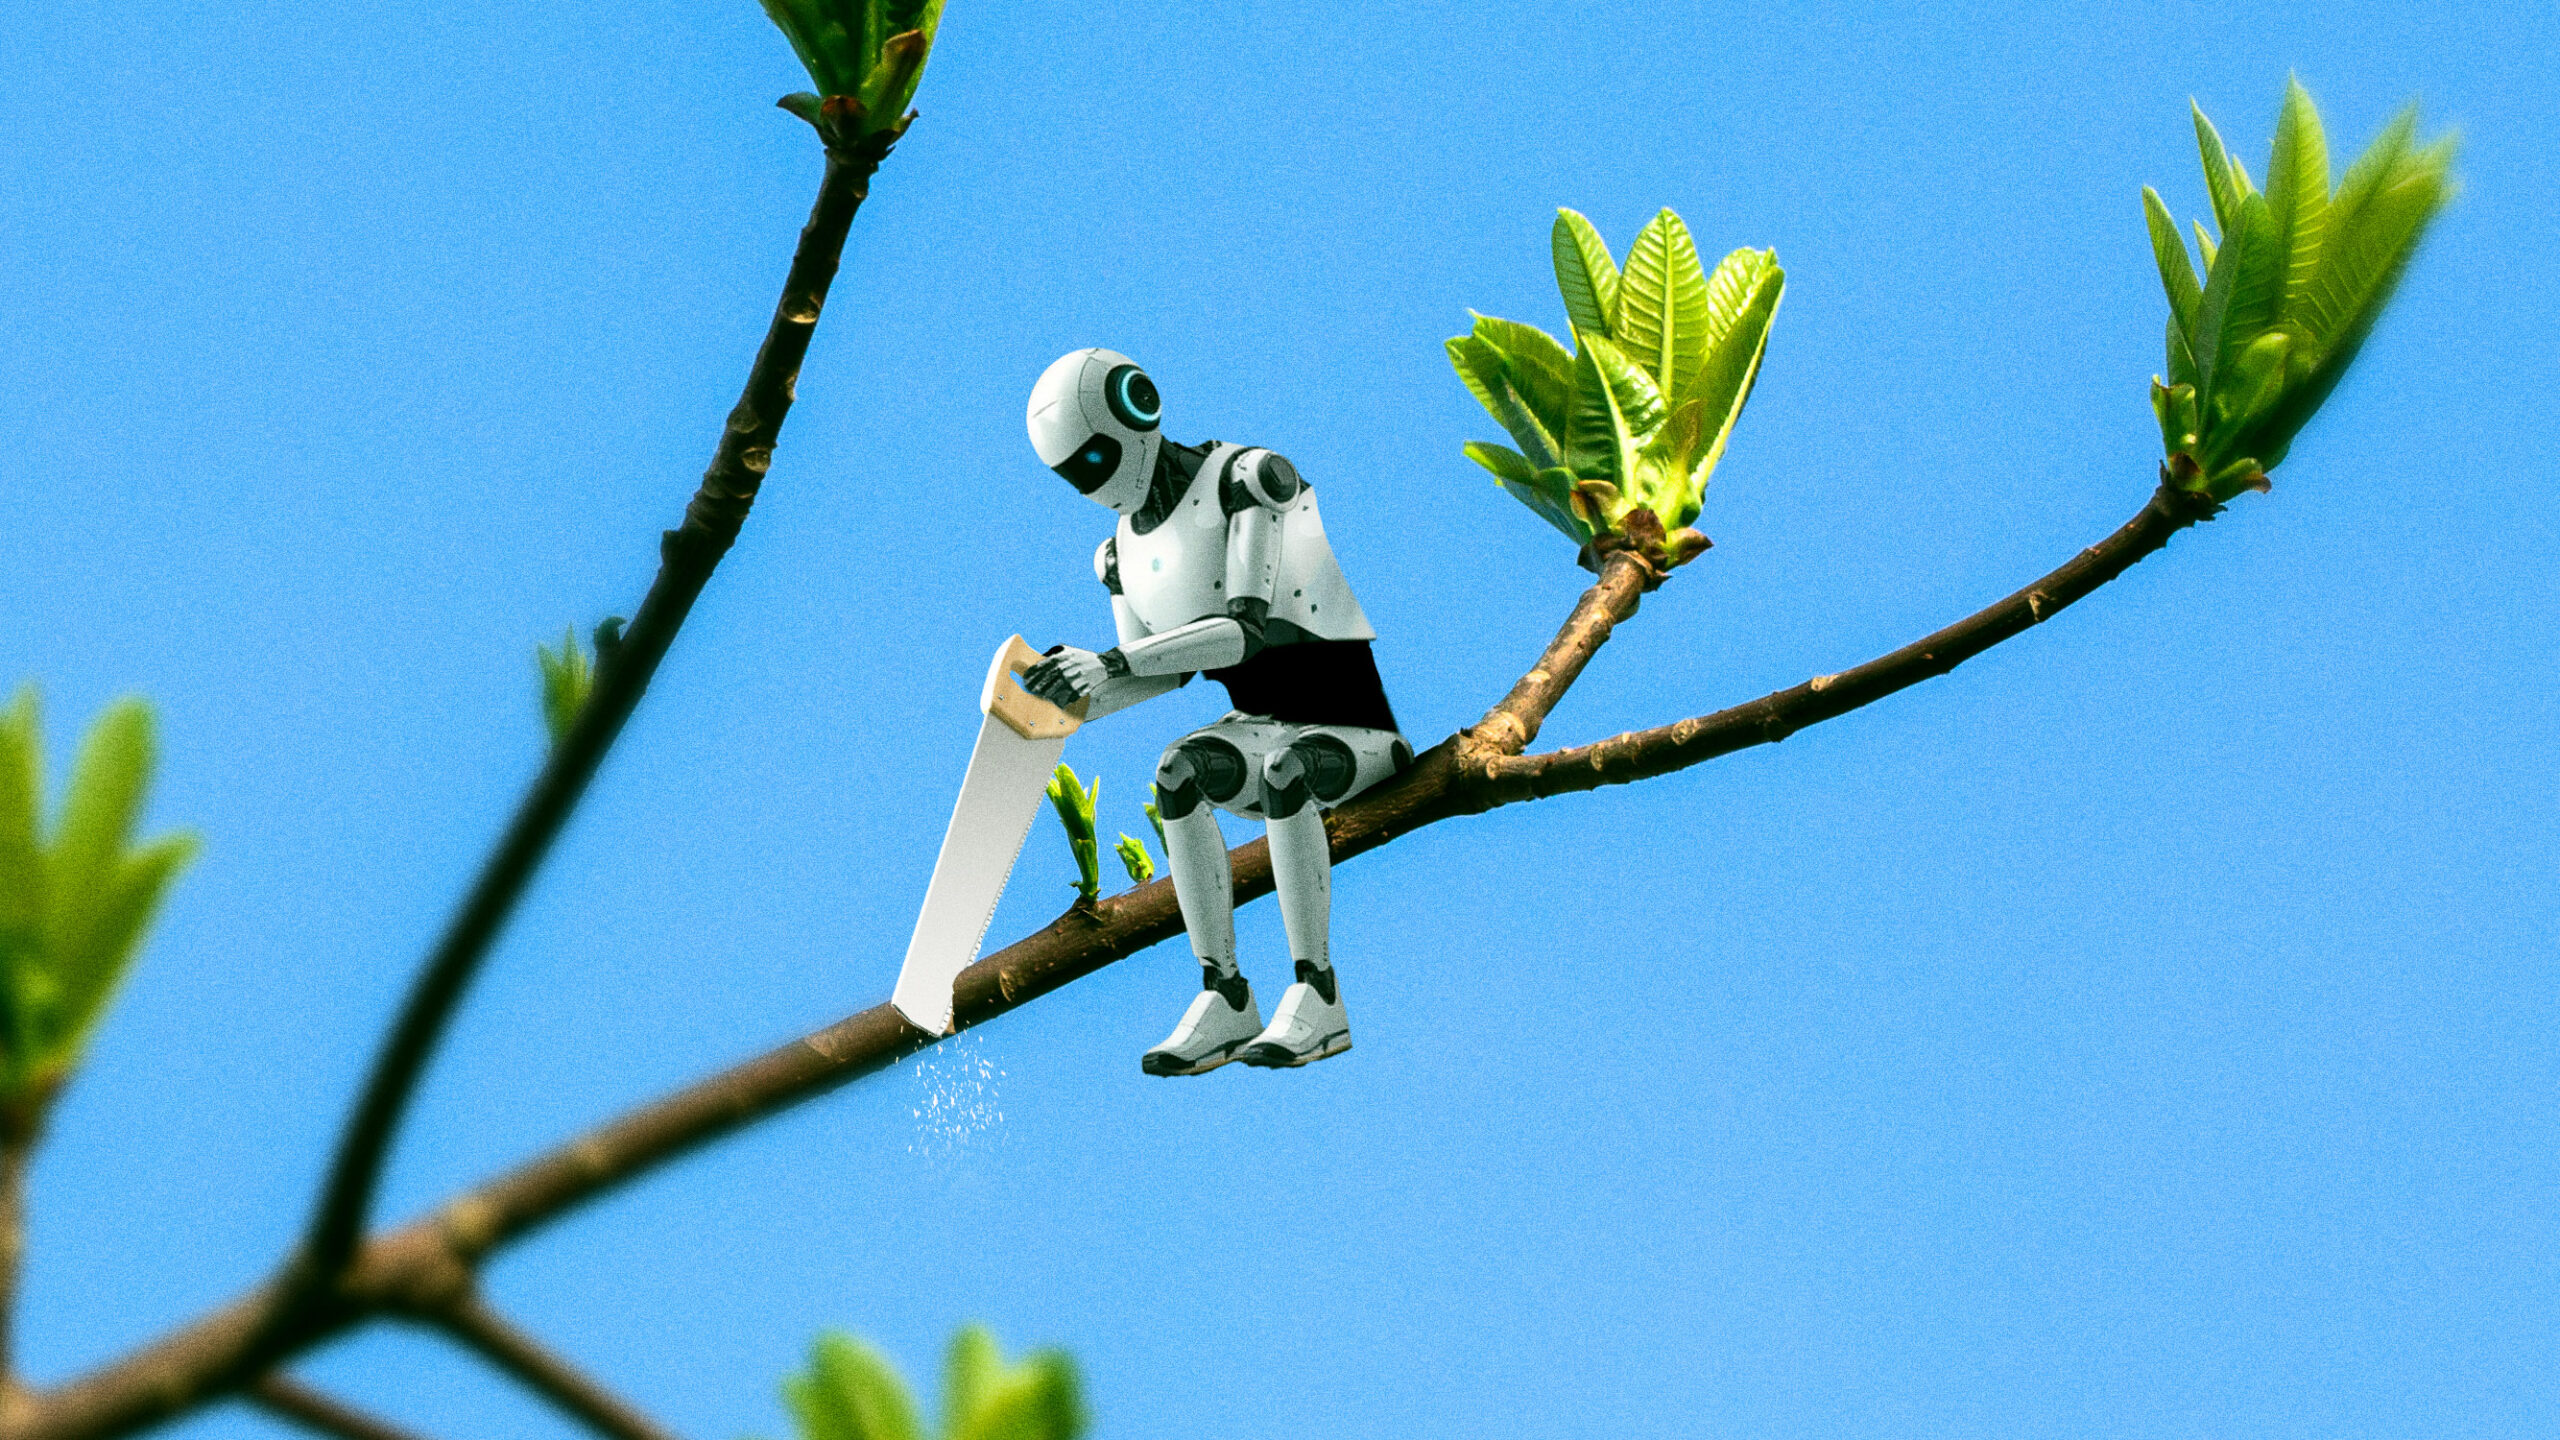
x: 1093, y: 419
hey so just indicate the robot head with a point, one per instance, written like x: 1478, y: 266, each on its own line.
x: 1093, y: 419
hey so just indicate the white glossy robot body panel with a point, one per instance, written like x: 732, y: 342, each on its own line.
x: 1179, y: 571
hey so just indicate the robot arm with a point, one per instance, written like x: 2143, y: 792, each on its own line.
x: 1257, y: 493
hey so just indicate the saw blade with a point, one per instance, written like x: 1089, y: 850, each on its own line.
x: 1018, y: 747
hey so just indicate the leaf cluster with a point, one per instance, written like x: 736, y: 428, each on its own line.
x: 2292, y: 286
x: 1638, y: 412
x: 865, y: 56
x: 75, y: 899
x: 852, y: 1392
x: 1076, y: 804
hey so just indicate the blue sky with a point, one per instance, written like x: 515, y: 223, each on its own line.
x: 2145, y: 1031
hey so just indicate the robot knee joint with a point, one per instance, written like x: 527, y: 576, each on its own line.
x: 1197, y: 769
x: 1315, y: 768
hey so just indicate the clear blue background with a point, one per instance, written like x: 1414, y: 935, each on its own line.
x: 2146, y: 1031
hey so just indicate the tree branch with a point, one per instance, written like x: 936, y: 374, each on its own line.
x: 688, y: 556
x: 1771, y: 718
x: 422, y: 1265
x: 317, y: 1413
x: 472, y: 1322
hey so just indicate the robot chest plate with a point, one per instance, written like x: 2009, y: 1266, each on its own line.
x: 1177, y: 572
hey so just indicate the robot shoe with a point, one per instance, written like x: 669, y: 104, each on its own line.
x: 1307, y: 1027
x: 1211, y: 1033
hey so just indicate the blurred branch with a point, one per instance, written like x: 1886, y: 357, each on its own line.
x: 488, y: 1333
x: 688, y: 556
x: 423, y: 1266
x: 308, y: 1408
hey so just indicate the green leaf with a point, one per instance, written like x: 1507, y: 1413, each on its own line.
x: 2169, y: 253
x: 2214, y: 306
x: 1076, y: 804
x: 2182, y: 359
x: 84, y: 987
x: 1489, y: 377
x: 2297, y: 191
x: 1729, y: 290
x: 98, y: 816
x: 1135, y: 859
x: 1040, y: 1399
x: 1585, y: 275
x: 1662, y: 303
x: 568, y: 678
x: 850, y: 1393
x: 2205, y: 246
x: 2218, y: 176
x: 2384, y: 205
x: 1615, y: 408
x: 970, y: 1375
x: 1725, y: 381
x: 1539, y: 366
x: 2369, y: 246
x: 2257, y: 288
x: 22, y: 861
x: 1546, y: 491
x: 1666, y: 481
x: 1157, y: 820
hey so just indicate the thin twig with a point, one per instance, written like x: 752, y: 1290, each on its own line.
x: 489, y: 1334
x: 13, y: 1243
x: 1464, y: 774
x: 688, y: 555
x: 1772, y: 718
x: 300, y: 1404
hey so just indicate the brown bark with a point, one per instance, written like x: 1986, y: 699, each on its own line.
x: 548, y: 1375
x: 13, y: 1250
x: 301, y: 1405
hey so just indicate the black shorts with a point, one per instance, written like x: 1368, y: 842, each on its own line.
x: 1311, y: 682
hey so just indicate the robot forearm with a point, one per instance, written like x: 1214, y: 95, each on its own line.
x: 1210, y: 644
x: 1122, y: 691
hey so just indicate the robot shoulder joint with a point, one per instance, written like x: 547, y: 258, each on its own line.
x: 1261, y: 478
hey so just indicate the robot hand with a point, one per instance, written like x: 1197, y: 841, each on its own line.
x: 1066, y: 676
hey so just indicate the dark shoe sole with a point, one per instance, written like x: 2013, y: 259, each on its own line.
x: 1279, y: 1057
x: 1157, y: 1062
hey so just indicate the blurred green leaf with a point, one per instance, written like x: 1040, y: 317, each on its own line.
x: 568, y: 678
x: 73, y: 907
x: 1157, y: 820
x: 851, y: 1392
x: 2293, y: 287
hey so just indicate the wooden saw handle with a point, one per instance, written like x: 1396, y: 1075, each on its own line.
x: 1022, y: 712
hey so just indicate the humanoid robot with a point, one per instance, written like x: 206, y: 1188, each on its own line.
x: 1220, y: 567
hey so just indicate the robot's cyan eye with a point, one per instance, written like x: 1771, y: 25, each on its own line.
x: 1094, y: 462
x: 1132, y: 397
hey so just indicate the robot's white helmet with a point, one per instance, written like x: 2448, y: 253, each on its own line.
x: 1093, y: 419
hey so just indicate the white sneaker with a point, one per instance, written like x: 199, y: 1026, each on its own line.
x: 1307, y: 1028
x: 1211, y: 1033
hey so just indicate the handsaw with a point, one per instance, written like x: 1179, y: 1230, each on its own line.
x: 1018, y: 747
